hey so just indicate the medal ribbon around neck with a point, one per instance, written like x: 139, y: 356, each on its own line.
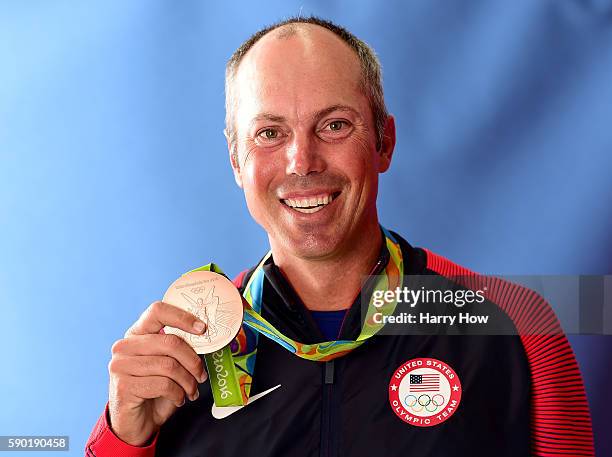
x: 231, y: 369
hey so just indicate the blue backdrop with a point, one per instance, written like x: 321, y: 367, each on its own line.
x: 111, y: 147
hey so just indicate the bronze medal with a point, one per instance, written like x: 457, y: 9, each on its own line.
x: 214, y: 300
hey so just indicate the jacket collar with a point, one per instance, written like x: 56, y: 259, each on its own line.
x: 283, y: 308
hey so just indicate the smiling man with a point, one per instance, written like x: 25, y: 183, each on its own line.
x: 307, y: 148
x: 308, y: 135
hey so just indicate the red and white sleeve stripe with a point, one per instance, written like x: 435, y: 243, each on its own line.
x: 560, y: 416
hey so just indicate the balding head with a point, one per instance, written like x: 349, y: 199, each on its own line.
x: 312, y: 35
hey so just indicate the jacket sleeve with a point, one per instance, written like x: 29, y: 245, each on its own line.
x: 104, y: 443
x: 560, y: 416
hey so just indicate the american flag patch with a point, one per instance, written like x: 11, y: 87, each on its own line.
x: 424, y: 382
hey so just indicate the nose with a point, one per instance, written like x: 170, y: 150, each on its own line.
x: 303, y: 155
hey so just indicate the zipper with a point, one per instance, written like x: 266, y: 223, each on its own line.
x: 329, y: 438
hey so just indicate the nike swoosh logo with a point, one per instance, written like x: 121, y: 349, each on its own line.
x: 224, y: 411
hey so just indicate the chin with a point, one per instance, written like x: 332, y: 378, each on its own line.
x: 311, y: 245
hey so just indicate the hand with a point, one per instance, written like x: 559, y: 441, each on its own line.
x: 151, y: 373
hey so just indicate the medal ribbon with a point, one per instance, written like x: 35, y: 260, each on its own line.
x: 231, y: 369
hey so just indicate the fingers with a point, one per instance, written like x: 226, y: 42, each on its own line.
x: 147, y: 364
x: 160, y: 314
x: 162, y: 345
x: 150, y: 387
x: 155, y: 366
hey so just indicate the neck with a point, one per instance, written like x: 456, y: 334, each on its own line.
x: 316, y: 281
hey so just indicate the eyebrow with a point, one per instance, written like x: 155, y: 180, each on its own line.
x: 317, y: 115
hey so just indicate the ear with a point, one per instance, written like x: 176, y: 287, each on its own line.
x: 387, y: 146
x: 233, y: 156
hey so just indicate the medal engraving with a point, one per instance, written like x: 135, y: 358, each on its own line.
x: 213, y: 299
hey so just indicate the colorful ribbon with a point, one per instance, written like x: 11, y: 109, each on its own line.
x: 231, y: 368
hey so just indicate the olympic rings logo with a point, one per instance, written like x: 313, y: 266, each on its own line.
x: 424, y: 401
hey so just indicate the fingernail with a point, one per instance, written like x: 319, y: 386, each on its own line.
x: 203, y: 376
x: 182, y: 402
x: 199, y: 326
x: 196, y: 395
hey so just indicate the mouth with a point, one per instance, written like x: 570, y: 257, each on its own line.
x: 309, y: 205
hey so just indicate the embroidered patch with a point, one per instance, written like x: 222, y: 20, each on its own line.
x: 424, y: 392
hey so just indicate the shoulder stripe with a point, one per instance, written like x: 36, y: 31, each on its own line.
x: 238, y: 280
x: 560, y: 417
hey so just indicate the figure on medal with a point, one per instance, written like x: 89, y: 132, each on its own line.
x: 207, y: 309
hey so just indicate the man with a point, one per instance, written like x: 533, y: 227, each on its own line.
x: 308, y: 134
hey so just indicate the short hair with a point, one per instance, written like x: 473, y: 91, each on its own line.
x: 371, y: 72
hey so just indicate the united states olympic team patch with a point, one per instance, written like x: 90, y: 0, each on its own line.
x: 424, y: 392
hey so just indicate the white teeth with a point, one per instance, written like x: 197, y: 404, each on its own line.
x: 309, y: 205
x: 309, y: 210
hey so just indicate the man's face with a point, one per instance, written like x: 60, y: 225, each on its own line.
x: 306, y: 143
